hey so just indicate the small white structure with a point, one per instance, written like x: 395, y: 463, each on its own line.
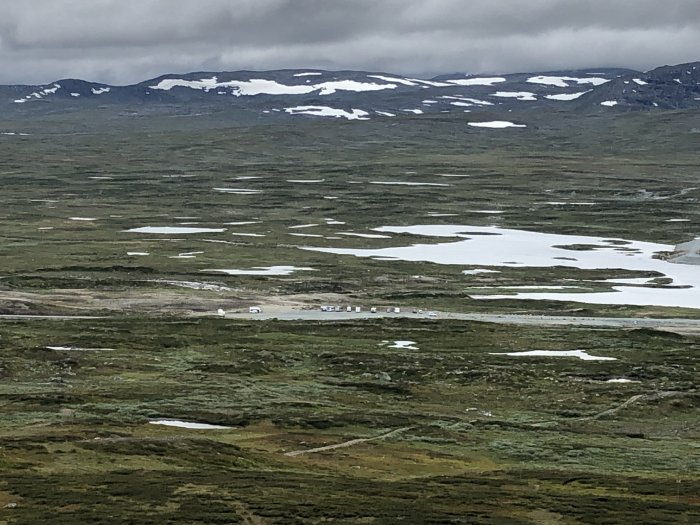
x: 348, y: 309
x: 254, y: 310
x: 397, y: 310
x: 358, y: 309
x: 373, y: 310
x: 337, y: 308
x: 221, y: 312
x: 324, y: 308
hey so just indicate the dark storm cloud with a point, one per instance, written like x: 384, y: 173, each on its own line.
x: 123, y: 41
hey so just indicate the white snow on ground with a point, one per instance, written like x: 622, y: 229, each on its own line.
x: 75, y: 94
x: 242, y: 234
x: 385, y: 114
x: 462, y: 104
x: 325, y: 111
x: 639, y: 81
x: 366, y: 235
x: 478, y: 271
x: 187, y: 424
x: 175, y: 230
x: 297, y: 226
x: 262, y: 270
x: 305, y: 181
x: 485, y: 81
x: 496, y: 124
x: 564, y: 81
x: 565, y: 96
x: 238, y: 191
x: 609, y: 103
x: 39, y: 94
x: 137, y: 254
x: 401, y: 183
x: 467, y: 99
x: 621, y: 380
x: 100, y: 91
x: 581, y: 354
x: 308, y: 74
x: 494, y: 246
x: 401, y: 345
x: 241, y: 223
x: 77, y: 349
x: 394, y: 80
x: 87, y: 219
x: 520, y: 95
x: 259, y: 86
x: 415, y: 111
x: 431, y: 83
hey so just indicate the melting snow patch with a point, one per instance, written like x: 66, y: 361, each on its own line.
x: 565, y: 96
x: 478, y: 271
x: 263, y: 270
x: 520, y: 95
x: 187, y: 424
x: 580, y: 354
x: 401, y: 183
x: 385, y: 114
x: 394, y: 80
x: 238, y: 191
x: 609, y: 103
x: 308, y: 74
x: 176, y: 230
x: 366, y: 235
x: 137, y: 254
x: 402, y: 345
x: 497, y: 124
x: 485, y: 81
x: 639, y: 81
x: 305, y: 181
x: 100, y: 91
x: 325, y: 111
x: 564, y: 81
x: 87, y: 219
x: 621, y: 380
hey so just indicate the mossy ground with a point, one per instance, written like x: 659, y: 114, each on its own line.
x: 488, y: 439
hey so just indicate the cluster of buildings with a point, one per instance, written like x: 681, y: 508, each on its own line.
x: 358, y: 309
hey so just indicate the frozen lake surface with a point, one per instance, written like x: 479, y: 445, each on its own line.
x: 491, y: 246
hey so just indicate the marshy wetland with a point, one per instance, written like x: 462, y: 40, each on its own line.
x: 141, y: 404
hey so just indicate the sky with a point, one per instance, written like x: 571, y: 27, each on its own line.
x: 127, y: 41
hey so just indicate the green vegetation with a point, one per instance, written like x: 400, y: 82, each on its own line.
x: 479, y: 438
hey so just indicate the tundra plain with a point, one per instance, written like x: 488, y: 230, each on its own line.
x: 354, y: 420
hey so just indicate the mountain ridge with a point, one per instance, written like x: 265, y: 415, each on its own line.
x: 356, y: 94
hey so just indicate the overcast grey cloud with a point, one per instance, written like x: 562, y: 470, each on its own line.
x: 125, y: 41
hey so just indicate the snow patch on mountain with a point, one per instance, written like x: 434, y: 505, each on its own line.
x: 483, y: 81
x: 564, y: 81
x: 325, y: 111
x: 520, y: 95
x: 260, y: 86
x: 609, y: 103
x: 496, y: 124
x: 39, y: 94
x: 566, y: 96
